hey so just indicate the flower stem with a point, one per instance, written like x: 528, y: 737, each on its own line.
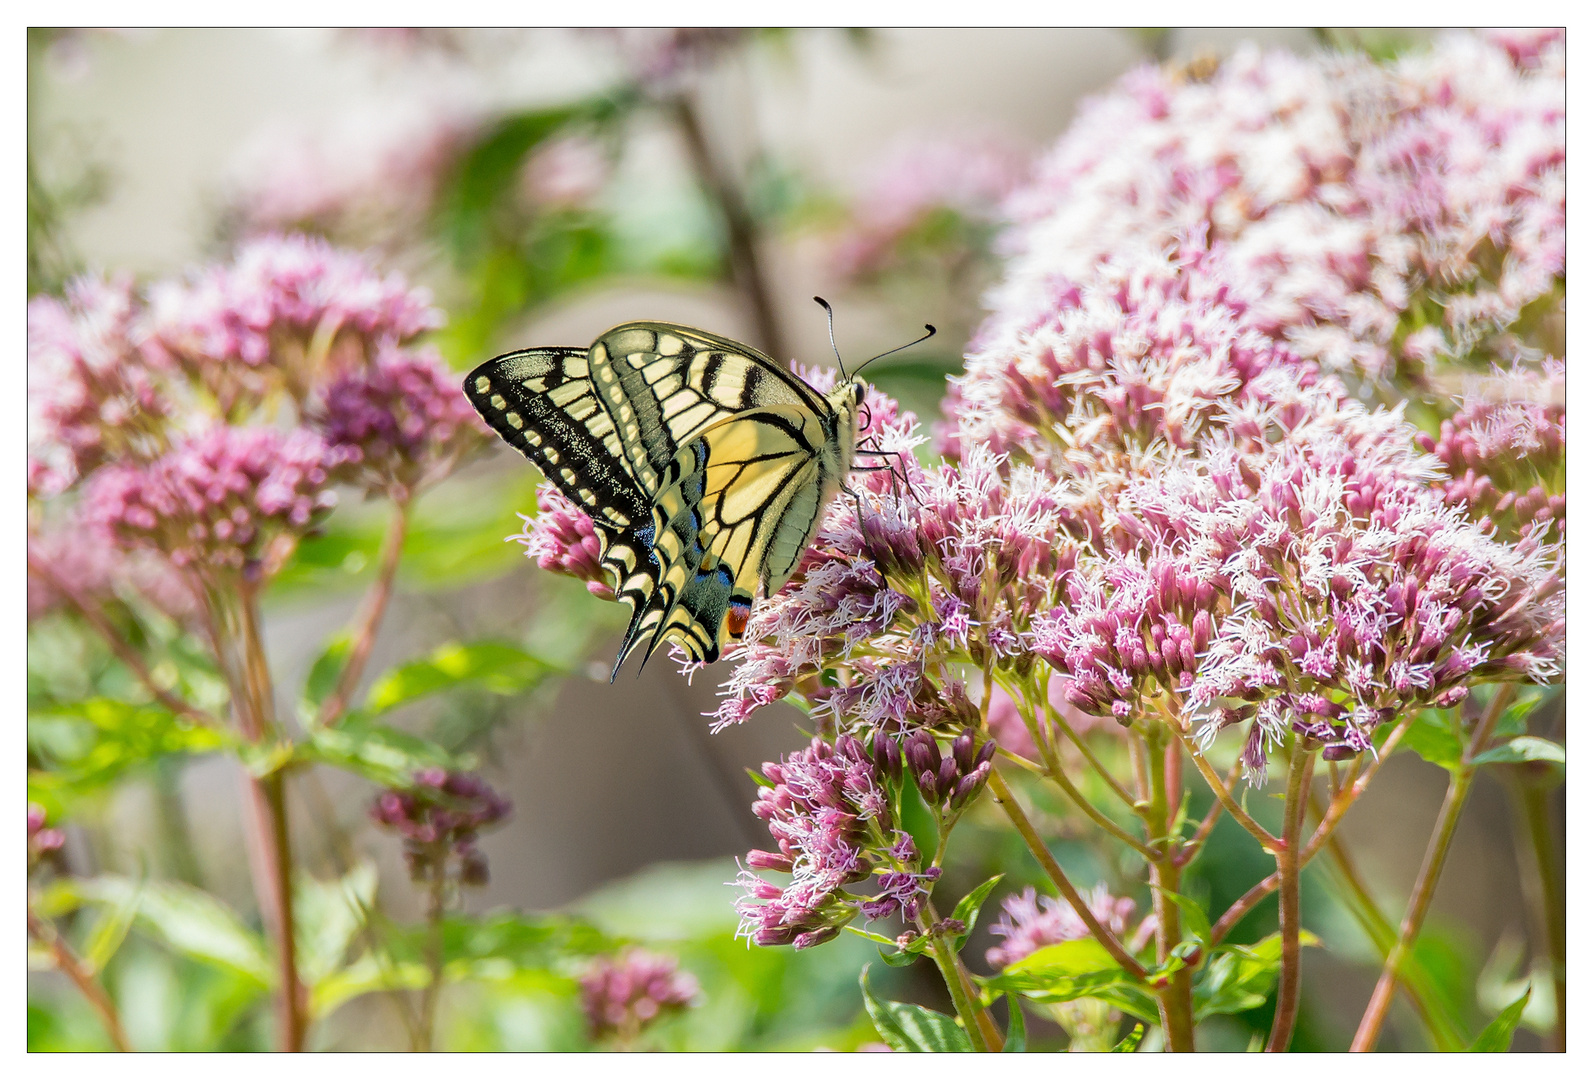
x: 1301, y: 759
x: 981, y: 1029
x: 1003, y: 795
x: 1225, y: 796
x: 1175, y: 997
x: 1058, y: 777
x: 436, y: 904
x: 1421, y: 896
x: 1084, y: 748
x: 73, y: 967
x: 1542, y: 882
x: 1382, y: 935
x: 372, y: 609
x: 272, y: 842
x: 741, y: 231
x: 1191, y: 848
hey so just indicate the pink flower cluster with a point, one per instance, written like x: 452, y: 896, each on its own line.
x: 218, y: 496
x: 401, y: 420
x: 92, y: 394
x: 623, y: 994
x: 561, y: 538
x: 1387, y: 217
x: 41, y: 840
x: 1029, y: 923
x: 830, y: 816
x: 213, y: 419
x: 1504, y: 450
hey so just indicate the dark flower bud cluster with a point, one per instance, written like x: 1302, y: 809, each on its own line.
x: 622, y: 995
x: 402, y: 419
x: 830, y: 815
x: 439, y: 819
x: 947, y: 782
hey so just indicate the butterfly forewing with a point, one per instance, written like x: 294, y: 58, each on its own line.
x: 703, y: 465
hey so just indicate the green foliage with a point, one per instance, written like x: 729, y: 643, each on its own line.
x: 84, y: 748
x: 1496, y: 1037
x: 1070, y: 970
x: 497, y: 666
x: 913, y: 1028
x: 1240, y: 977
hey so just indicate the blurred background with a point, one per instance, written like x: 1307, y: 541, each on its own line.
x: 517, y: 176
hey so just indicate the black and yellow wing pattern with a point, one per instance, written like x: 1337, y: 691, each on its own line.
x: 704, y: 466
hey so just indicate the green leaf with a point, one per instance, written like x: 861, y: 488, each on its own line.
x: 967, y: 911
x: 327, y: 916
x: 1130, y: 1042
x: 1017, y: 1031
x: 497, y: 666
x: 323, y: 676
x: 913, y: 1028
x: 1194, y: 915
x: 110, y: 930
x: 1075, y: 969
x: 90, y: 744
x: 1497, y: 1036
x: 1240, y: 977
x: 1520, y: 749
x: 1432, y: 736
x: 381, y: 754
x: 185, y: 919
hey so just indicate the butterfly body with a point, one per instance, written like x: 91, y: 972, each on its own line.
x: 704, y: 467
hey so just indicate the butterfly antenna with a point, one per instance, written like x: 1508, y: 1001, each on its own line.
x: 898, y: 348
x: 829, y: 314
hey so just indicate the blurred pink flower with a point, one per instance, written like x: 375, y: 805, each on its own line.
x: 965, y: 178
x: 218, y: 496
x: 1029, y: 923
x: 623, y: 994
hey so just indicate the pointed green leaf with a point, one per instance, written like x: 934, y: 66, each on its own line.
x: 500, y: 667
x: 381, y: 754
x: 1130, y: 1042
x: 913, y: 1028
x: 327, y: 916
x: 1523, y: 748
x: 110, y: 929
x: 1017, y: 1031
x: 323, y: 676
x: 1432, y: 736
x: 967, y: 911
x: 188, y: 921
x: 1497, y: 1036
x: 1193, y: 914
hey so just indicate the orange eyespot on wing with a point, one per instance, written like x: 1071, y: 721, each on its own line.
x: 737, y: 618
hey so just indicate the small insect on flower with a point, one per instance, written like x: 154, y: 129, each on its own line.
x: 704, y: 466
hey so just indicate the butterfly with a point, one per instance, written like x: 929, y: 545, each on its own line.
x: 704, y: 466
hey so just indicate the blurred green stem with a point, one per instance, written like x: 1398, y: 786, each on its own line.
x: 271, y: 846
x: 1541, y: 880
x: 1381, y: 933
x: 436, y: 906
x: 1421, y: 897
x: 741, y: 231
x: 372, y: 608
x: 1301, y: 758
x: 73, y: 967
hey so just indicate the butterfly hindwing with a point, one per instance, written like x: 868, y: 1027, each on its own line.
x: 740, y: 503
